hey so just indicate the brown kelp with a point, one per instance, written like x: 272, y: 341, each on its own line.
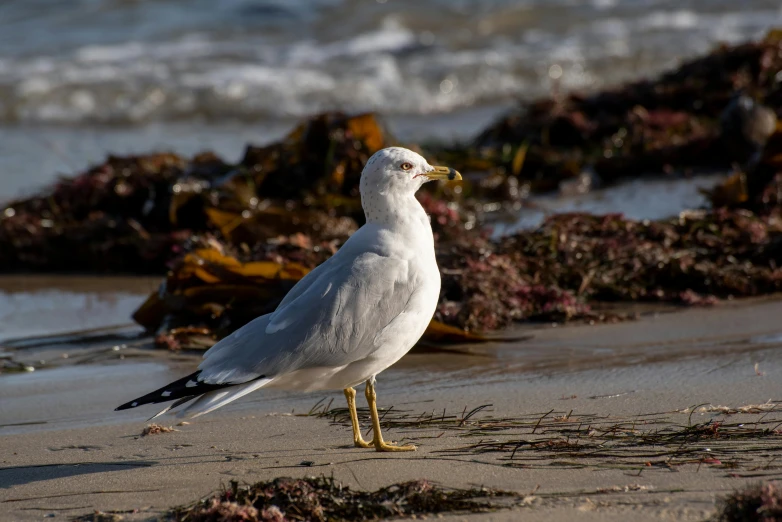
x: 323, y: 498
x: 571, y: 260
x: 209, y: 293
x: 708, y: 113
x: 551, y: 273
x: 114, y: 217
x: 134, y: 214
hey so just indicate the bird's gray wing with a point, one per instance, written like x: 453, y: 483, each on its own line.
x: 299, y: 288
x: 332, y: 322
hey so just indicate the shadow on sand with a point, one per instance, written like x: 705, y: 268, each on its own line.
x: 17, y: 475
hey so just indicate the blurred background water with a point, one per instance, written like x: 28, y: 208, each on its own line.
x: 81, y: 78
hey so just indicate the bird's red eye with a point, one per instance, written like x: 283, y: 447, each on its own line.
x: 406, y: 166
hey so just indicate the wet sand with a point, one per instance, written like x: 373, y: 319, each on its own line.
x: 65, y: 452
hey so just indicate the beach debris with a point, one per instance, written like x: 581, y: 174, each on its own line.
x: 133, y: 214
x: 760, y: 502
x: 554, y: 273
x: 746, y: 126
x: 100, y: 516
x: 572, y: 261
x: 323, y: 155
x: 9, y: 365
x: 565, y: 439
x: 209, y: 293
x: 156, y: 429
x: 323, y: 498
x: 730, y: 410
x: 624, y: 489
x: 710, y: 112
x: 114, y: 211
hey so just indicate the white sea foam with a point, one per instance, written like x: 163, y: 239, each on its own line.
x: 394, y: 63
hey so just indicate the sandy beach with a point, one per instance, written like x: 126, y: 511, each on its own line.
x: 66, y: 453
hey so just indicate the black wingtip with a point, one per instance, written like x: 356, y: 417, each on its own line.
x: 171, y: 392
x: 128, y: 405
x: 188, y: 386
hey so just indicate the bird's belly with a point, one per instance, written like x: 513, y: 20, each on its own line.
x: 308, y: 379
x: 338, y: 378
x: 385, y: 356
x: 359, y: 371
x: 352, y: 374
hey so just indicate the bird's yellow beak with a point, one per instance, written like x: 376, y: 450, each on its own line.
x: 445, y: 173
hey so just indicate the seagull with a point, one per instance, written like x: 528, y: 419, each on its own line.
x: 347, y: 320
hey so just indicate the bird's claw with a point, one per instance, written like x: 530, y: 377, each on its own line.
x: 384, y: 446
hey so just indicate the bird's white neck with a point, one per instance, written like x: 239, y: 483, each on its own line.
x: 396, y: 211
x: 388, y: 209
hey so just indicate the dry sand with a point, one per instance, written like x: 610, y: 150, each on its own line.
x: 64, y: 452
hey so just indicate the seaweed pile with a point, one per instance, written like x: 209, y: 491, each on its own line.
x: 758, y: 502
x: 708, y: 113
x: 552, y: 273
x: 135, y: 214
x: 234, y: 238
x: 322, y: 498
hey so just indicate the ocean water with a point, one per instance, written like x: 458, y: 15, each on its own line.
x: 130, y: 62
x: 82, y: 78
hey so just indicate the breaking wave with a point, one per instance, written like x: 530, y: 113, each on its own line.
x: 231, y: 63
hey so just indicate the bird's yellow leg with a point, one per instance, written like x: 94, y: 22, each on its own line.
x: 358, y: 441
x: 377, y: 437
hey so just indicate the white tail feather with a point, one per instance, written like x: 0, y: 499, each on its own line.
x: 216, y: 399
x: 161, y: 412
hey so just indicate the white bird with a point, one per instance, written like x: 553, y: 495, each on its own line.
x: 344, y: 322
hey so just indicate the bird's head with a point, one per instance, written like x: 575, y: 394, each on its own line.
x: 399, y: 171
